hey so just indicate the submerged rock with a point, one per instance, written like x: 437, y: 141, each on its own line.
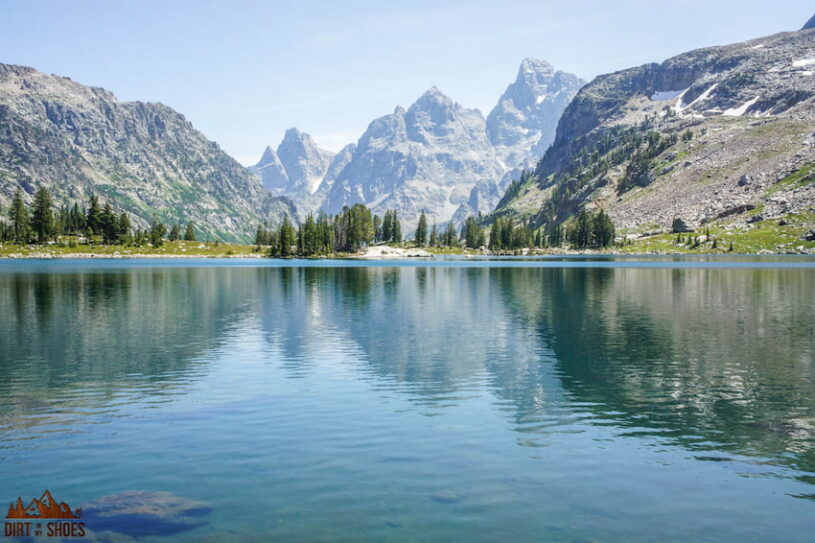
x: 142, y: 513
x: 451, y: 495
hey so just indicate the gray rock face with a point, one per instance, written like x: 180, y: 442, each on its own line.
x: 705, y: 83
x: 428, y: 157
x: 272, y: 172
x: 297, y: 170
x: 522, y: 125
x: 750, y: 111
x: 436, y: 156
x: 140, y: 513
x: 145, y: 158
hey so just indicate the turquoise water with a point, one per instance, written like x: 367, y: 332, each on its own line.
x: 559, y: 399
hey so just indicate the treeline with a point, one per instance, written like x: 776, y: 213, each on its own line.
x: 356, y: 227
x: 587, y: 230
x: 346, y: 232
x: 41, y: 223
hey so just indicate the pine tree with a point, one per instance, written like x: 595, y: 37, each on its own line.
x: 108, y: 224
x: 175, y: 232
x: 397, y: 229
x: 421, y: 231
x: 189, y: 233
x: 92, y: 218
x: 377, y: 228
x: 387, y: 227
x: 157, y: 231
x: 42, y: 216
x: 604, y: 231
x: 123, y: 233
x: 434, y: 237
x: 18, y: 215
x: 287, y: 237
x: 450, y: 235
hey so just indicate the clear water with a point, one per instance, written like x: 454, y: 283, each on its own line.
x: 559, y: 399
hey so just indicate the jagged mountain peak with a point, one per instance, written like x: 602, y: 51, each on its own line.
x: 532, y: 69
x: 433, y: 98
x: 296, y: 169
x: 523, y: 122
x: 810, y: 23
x: 269, y: 155
x: 295, y: 134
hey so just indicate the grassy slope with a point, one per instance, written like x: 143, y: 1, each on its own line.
x: 169, y: 249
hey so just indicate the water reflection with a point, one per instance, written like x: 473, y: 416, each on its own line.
x: 710, y: 359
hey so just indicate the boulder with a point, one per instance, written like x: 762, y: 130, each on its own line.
x: 745, y: 180
x: 141, y: 513
x: 679, y: 226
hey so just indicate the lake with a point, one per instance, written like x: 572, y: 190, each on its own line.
x: 560, y: 399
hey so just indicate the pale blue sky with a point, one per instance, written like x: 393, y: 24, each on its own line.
x: 244, y: 71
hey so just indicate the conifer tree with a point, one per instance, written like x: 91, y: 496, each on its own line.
x: 18, y: 215
x: 42, y: 216
x: 189, y: 233
x: 434, y: 237
x: 92, y: 216
x: 175, y: 232
x: 157, y: 232
x: 397, y: 229
x: 450, y: 235
x: 421, y: 231
x: 123, y: 233
x: 108, y: 224
x: 287, y: 237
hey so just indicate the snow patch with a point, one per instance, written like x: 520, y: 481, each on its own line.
x: 540, y: 99
x: 759, y: 46
x: 704, y: 96
x: 659, y: 96
x: 801, y: 63
x: 742, y: 109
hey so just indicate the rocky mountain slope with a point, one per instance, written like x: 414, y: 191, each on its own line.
x: 145, y: 158
x: 436, y: 156
x: 427, y: 157
x: 723, y: 134
x: 522, y: 125
x: 297, y: 170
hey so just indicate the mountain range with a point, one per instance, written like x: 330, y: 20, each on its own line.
x: 722, y: 134
x: 436, y: 156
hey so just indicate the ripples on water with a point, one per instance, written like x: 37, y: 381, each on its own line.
x: 482, y: 401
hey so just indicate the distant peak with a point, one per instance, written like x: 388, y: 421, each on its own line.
x: 536, y: 64
x: 810, y: 23
x: 434, y: 95
x: 294, y: 133
x: 399, y: 110
x: 268, y: 156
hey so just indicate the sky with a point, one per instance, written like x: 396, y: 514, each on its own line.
x: 244, y: 71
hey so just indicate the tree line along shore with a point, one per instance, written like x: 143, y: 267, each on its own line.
x: 43, y: 229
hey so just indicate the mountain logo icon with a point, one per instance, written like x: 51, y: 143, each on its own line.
x: 44, y: 508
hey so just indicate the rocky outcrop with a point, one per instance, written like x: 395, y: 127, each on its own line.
x: 696, y: 136
x: 144, y: 158
x: 428, y: 157
x: 810, y: 23
x: 298, y: 170
x: 522, y: 125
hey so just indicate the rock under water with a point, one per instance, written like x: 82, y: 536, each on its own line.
x: 141, y: 513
